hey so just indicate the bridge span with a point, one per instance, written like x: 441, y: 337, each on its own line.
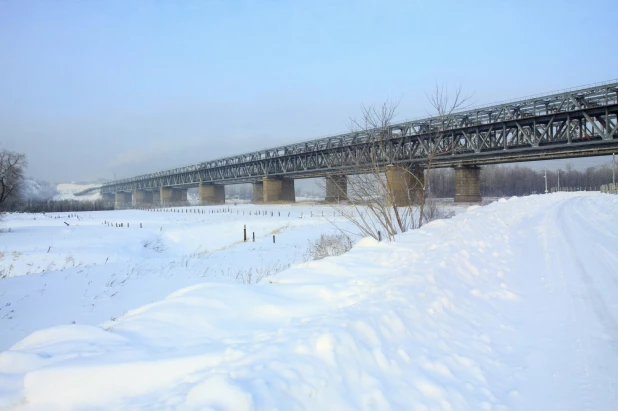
x: 576, y: 122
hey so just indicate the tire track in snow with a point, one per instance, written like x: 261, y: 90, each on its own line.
x: 572, y: 231
x: 597, y: 302
x: 562, y: 330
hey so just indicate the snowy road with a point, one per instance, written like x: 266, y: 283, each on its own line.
x: 512, y: 306
x: 578, y: 306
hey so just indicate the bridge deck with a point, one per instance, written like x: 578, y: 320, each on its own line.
x: 570, y: 123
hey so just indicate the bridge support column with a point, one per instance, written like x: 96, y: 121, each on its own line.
x: 108, y: 199
x: 336, y: 189
x: 468, y: 184
x: 165, y: 196
x: 171, y: 196
x: 179, y: 196
x: 288, y: 193
x: 123, y: 200
x: 211, y: 194
x: 142, y: 198
x: 258, y: 192
x: 156, y: 198
x: 405, y: 185
x: 278, y: 190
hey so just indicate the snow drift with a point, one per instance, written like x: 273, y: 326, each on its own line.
x: 508, y: 306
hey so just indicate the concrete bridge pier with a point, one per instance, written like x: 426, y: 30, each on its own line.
x: 108, y: 198
x: 179, y: 196
x: 258, y: 192
x: 211, y: 194
x: 405, y: 184
x: 336, y: 188
x: 166, y: 195
x: 123, y: 200
x: 468, y: 184
x: 172, y: 196
x: 156, y: 198
x: 142, y: 198
x: 279, y: 190
x: 288, y: 192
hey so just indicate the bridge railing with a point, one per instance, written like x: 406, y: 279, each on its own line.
x: 360, y: 136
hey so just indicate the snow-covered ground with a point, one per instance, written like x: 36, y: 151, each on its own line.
x: 91, y: 270
x: 509, y: 306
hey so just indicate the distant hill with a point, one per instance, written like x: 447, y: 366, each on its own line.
x: 66, y: 191
x: 33, y: 190
x: 38, y: 190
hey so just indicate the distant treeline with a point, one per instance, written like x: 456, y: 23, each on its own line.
x: 503, y: 181
x: 57, y: 206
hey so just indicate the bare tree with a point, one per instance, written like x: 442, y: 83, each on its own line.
x: 370, y: 207
x: 380, y: 205
x: 443, y: 104
x: 12, y: 167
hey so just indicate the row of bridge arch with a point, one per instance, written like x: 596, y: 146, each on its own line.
x: 403, y: 184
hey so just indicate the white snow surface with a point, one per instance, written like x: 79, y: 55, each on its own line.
x: 508, y: 306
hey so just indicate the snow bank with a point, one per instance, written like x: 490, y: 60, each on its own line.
x: 508, y: 306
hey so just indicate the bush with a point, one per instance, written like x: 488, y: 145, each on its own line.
x: 329, y: 245
x: 435, y: 211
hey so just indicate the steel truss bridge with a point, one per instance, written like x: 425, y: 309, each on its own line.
x: 575, y: 122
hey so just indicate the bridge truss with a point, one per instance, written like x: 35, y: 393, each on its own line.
x: 571, y: 123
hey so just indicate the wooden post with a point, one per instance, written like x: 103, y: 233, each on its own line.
x: 273, y: 239
x: 245, y: 233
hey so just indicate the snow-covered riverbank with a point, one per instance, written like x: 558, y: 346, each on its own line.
x: 509, y: 306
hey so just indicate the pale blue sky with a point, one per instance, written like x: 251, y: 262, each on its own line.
x: 93, y: 88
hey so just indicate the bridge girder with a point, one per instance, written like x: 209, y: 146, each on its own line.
x: 573, y: 123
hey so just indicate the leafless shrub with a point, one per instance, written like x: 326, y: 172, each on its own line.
x: 69, y: 260
x: 254, y: 275
x: 434, y: 210
x: 329, y: 245
x: 155, y: 245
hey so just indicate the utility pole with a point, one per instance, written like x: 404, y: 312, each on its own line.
x: 545, y: 180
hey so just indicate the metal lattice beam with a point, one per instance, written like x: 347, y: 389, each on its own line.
x: 571, y: 123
